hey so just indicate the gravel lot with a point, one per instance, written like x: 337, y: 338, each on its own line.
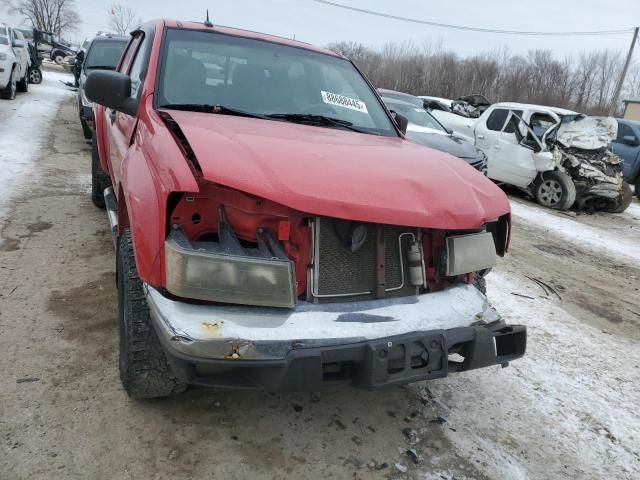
x: 569, y: 409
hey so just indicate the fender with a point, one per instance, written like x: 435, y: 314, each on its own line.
x: 151, y: 170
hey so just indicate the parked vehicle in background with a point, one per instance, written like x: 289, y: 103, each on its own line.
x: 103, y: 53
x: 426, y: 130
x: 14, y: 62
x: 275, y: 230
x: 627, y: 146
x: 558, y: 156
x: 436, y: 103
x: 470, y: 105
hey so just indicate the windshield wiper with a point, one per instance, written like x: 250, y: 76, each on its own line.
x: 220, y: 109
x: 317, y: 120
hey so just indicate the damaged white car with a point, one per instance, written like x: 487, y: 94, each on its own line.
x: 557, y: 156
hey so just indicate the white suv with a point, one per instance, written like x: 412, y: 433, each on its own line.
x: 14, y: 62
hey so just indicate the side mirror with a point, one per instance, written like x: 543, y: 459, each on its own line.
x: 18, y: 43
x: 111, y: 89
x: 630, y: 140
x: 401, y: 121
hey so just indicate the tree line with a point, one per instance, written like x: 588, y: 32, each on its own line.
x: 583, y: 82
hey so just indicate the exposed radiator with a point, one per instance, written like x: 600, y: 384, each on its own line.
x: 338, y: 274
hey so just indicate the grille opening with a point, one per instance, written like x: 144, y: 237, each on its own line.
x: 196, y: 218
x: 456, y: 357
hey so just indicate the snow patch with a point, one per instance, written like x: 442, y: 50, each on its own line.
x: 577, y: 385
x: 24, y: 127
x: 582, y: 235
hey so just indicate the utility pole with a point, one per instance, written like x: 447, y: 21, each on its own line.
x: 616, y: 95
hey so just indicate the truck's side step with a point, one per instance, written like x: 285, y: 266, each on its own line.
x: 112, y: 212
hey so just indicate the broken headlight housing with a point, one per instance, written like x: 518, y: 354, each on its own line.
x: 226, y: 271
x: 469, y: 253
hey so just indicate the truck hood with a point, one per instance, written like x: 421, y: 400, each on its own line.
x: 339, y: 173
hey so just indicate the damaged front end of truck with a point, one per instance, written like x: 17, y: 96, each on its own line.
x: 580, y: 148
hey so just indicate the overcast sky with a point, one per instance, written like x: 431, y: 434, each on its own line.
x: 320, y: 24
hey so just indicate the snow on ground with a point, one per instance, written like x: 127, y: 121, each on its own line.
x: 20, y: 146
x: 634, y: 209
x: 570, y: 405
x: 600, y: 239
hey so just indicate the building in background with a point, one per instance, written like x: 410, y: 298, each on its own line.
x: 631, y: 109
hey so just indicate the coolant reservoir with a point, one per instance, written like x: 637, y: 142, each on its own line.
x: 414, y: 256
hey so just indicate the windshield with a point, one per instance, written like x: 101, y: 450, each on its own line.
x: 263, y: 78
x: 415, y: 115
x: 104, y: 54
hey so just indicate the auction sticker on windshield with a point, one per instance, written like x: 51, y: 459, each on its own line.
x: 342, y: 101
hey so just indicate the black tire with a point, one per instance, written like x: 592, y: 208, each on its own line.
x: 99, y: 179
x: 638, y: 187
x: 35, y: 76
x: 23, y: 85
x: 9, y: 92
x: 144, y: 369
x: 556, y: 190
x: 623, y: 201
x: 58, y: 58
x: 86, y: 130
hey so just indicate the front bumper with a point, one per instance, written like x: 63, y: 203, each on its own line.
x: 86, y: 113
x: 369, y: 344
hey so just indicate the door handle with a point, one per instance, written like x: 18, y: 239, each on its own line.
x: 112, y: 116
x: 480, y: 137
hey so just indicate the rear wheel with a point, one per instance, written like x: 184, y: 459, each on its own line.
x: 9, y: 93
x: 35, y: 76
x: 556, y: 190
x: 623, y: 201
x: 99, y: 179
x: 144, y: 369
x: 58, y: 58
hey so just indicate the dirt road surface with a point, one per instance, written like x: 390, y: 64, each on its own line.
x: 569, y: 409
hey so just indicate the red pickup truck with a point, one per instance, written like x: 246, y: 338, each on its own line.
x: 275, y: 230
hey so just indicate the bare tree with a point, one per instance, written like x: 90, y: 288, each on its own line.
x: 584, y: 83
x: 55, y: 16
x: 122, y: 19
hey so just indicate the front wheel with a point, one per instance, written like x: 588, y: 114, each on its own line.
x: 623, y: 201
x: 23, y: 85
x: 35, y: 76
x: 556, y: 190
x: 9, y: 93
x: 99, y: 179
x: 144, y: 369
x: 58, y: 58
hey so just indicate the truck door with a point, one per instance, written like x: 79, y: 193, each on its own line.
x: 627, y: 146
x: 120, y: 125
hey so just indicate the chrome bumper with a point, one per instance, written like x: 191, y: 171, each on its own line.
x: 219, y: 332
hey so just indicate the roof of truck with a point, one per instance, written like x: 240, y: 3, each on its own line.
x: 248, y: 34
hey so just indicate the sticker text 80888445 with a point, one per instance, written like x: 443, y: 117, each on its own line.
x: 342, y: 101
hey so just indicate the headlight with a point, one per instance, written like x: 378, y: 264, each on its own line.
x: 469, y: 253
x: 207, y: 271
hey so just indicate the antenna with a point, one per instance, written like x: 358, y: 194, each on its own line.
x: 207, y: 22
